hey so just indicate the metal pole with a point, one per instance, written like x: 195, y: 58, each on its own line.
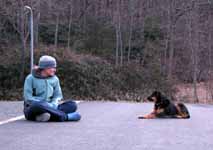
x: 31, y: 36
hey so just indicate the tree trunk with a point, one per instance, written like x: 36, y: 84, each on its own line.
x: 69, y: 28
x: 120, y: 33
x: 197, y: 42
x: 210, y: 89
x: 171, y: 41
x: 37, y: 22
x: 130, y: 38
x: 130, y: 30
x: 118, y: 36
x: 23, y: 50
x: 194, y: 47
x: 121, y: 45
x: 56, y: 31
x: 22, y: 38
x: 117, y: 46
x: 85, y: 17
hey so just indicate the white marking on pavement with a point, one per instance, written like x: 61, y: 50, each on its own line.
x: 78, y: 102
x: 12, y: 119
x: 20, y: 117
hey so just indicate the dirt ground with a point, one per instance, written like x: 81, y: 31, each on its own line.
x: 185, y: 92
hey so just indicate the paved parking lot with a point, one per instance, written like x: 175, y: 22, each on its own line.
x: 109, y: 126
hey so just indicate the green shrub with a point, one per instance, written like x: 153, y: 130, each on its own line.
x: 93, y: 79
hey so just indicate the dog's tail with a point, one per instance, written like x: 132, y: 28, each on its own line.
x: 183, y: 111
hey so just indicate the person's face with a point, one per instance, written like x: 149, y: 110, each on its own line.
x: 49, y: 71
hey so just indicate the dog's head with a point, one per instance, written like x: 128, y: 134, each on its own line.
x: 154, y: 97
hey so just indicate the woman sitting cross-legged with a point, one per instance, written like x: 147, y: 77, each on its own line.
x: 42, y: 93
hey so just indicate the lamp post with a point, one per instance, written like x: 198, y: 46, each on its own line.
x: 31, y: 36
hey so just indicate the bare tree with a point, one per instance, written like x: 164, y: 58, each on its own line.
x: 70, y: 23
x: 119, y: 40
x: 37, y: 12
x: 117, y: 24
x: 56, y: 30
x: 210, y: 27
x: 194, y: 44
x: 174, y: 14
x: 131, y: 14
x: 14, y: 10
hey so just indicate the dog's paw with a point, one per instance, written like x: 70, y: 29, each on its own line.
x: 141, y: 117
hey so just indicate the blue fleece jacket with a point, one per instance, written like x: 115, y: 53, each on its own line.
x: 42, y: 89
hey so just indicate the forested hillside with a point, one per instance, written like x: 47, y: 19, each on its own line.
x: 111, y: 49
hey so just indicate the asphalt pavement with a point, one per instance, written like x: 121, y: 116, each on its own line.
x: 108, y: 126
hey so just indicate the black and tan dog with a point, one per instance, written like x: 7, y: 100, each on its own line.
x: 164, y: 108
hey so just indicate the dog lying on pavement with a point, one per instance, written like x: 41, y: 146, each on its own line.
x: 164, y: 108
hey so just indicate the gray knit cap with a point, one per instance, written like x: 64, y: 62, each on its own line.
x: 47, y: 62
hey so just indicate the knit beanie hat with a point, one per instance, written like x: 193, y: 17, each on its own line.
x: 47, y: 62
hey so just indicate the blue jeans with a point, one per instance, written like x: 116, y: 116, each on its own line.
x: 33, y: 109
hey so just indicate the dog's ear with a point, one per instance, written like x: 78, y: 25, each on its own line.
x: 150, y: 97
x: 157, y: 95
x: 154, y: 94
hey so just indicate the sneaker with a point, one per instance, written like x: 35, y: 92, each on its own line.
x: 43, y: 117
x: 73, y: 116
